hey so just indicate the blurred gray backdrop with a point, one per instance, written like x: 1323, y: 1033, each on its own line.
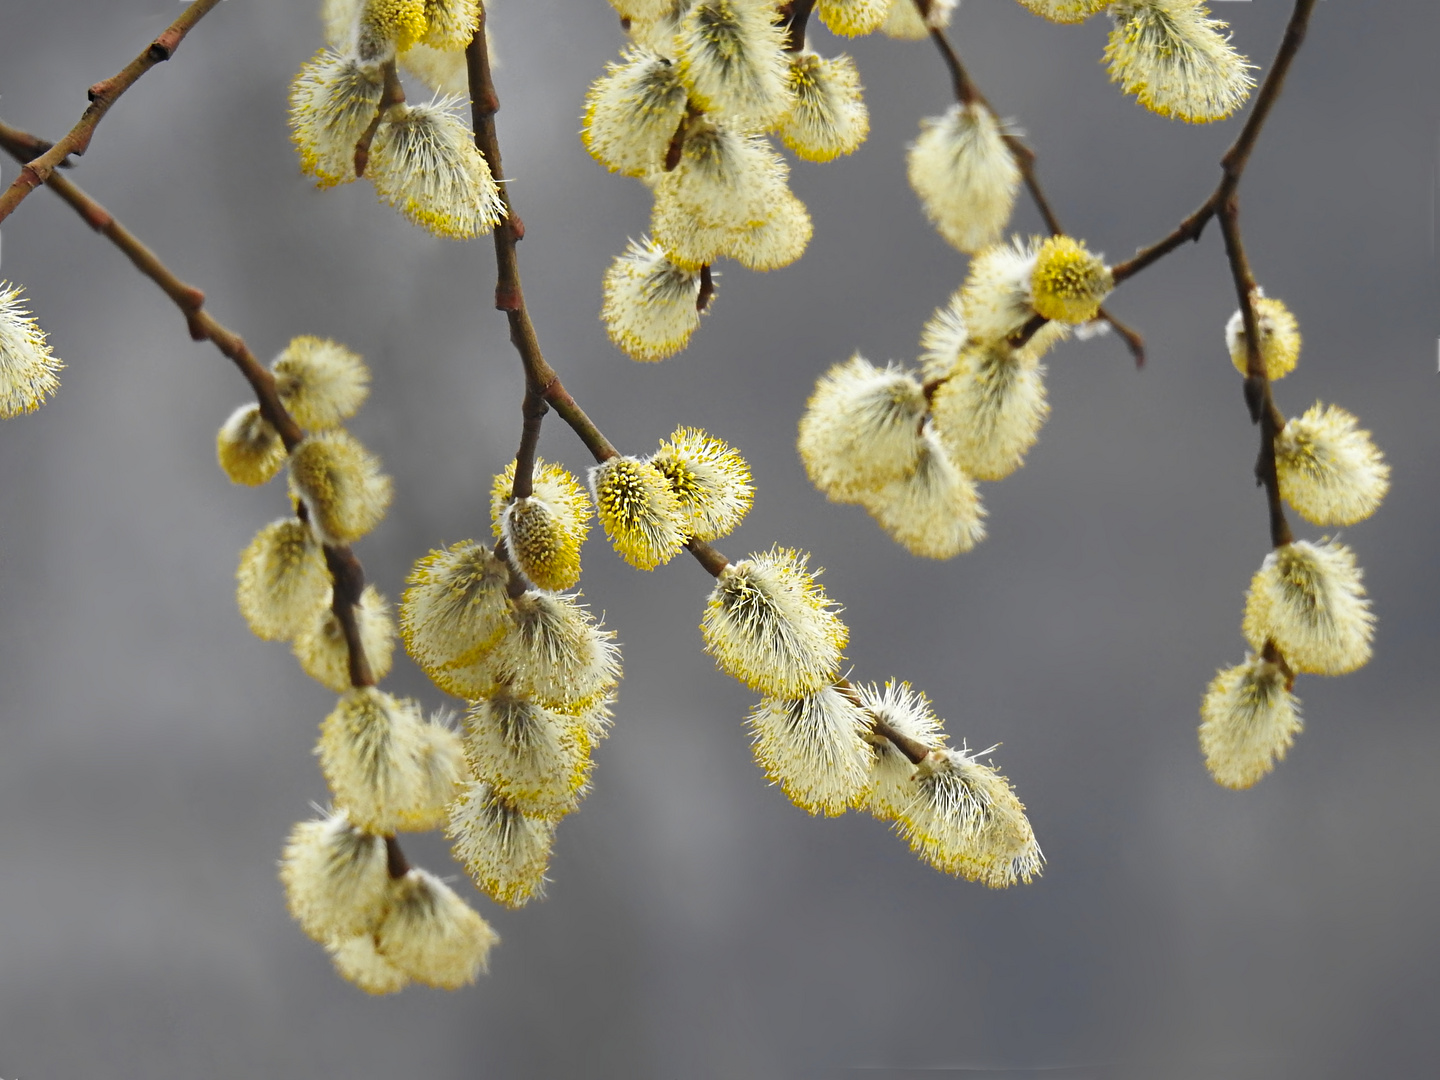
x: 153, y: 754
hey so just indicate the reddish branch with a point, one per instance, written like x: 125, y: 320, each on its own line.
x: 345, y: 570
x: 36, y: 171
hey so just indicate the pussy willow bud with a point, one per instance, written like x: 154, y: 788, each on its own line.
x: 933, y: 510
x: 432, y: 935
x: 990, y: 409
x: 725, y: 179
x: 640, y: 512
x: 861, y: 428
x: 1066, y: 11
x: 341, y: 485
x: 966, y: 820
x: 540, y: 545
x: 379, y: 759
x: 1279, y: 338
x: 249, y: 448
x: 649, y: 308
x: 456, y: 608
x: 324, y: 654
x: 1068, y: 283
x: 504, y: 850
x: 770, y: 625
x: 332, y: 102
x: 828, y: 117
x: 555, y: 653
x: 335, y: 878
x: 656, y: 28
x: 1175, y: 60
x: 1307, y: 599
x: 425, y: 164
x: 442, y: 70
x: 965, y: 175
x: 1248, y: 720
x: 632, y: 111
x: 777, y: 241
x: 851, y: 18
x: 904, y: 21
x: 320, y: 382
x: 552, y: 484
x: 388, y: 26
x: 27, y: 368
x: 535, y: 758
x: 996, y: 298
x: 711, y: 482
x: 892, y: 776
x: 282, y: 584
x: 814, y: 747
x: 732, y: 57
x: 357, y: 961
x: 450, y: 24
x: 1328, y: 467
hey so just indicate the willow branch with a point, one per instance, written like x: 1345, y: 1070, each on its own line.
x: 1258, y: 397
x: 391, y: 95
x: 914, y: 750
x: 795, y: 16
x: 102, y: 95
x: 967, y: 93
x: 542, y: 384
x: 347, y: 575
x: 1235, y: 159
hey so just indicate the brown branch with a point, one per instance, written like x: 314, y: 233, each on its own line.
x: 795, y: 16
x: 391, y: 95
x: 1235, y: 159
x: 347, y: 575
x: 102, y: 95
x: 967, y: 93
x: 1132, y: 338
x: 914, y: 750
x: 707, y: 288
x: 1257, y: 384
x: 396, y: 865
x: 713, y: 562
x: 348, y: 579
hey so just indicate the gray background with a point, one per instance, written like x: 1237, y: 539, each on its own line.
x: 153, y: 754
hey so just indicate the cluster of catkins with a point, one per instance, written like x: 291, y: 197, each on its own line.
x: 687, y: 110
x: 421, y: 158
x: 1306, y: 610
x: 908, y: 447
x: 832, y: 745
x: 389, y: 768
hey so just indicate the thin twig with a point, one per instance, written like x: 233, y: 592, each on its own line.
x: 967, y: 93
x: 102, y: 95
x: 347, y: 575
x: 1235, y: 159
x: 1257, y: 383
x: 391, y: 95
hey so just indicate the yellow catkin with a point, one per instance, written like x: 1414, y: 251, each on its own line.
x: 639, y: 510
x: 1068, y: 283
